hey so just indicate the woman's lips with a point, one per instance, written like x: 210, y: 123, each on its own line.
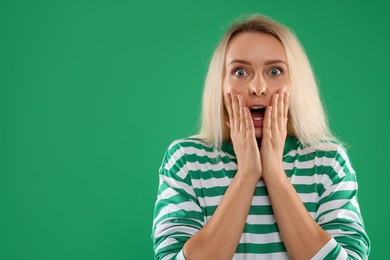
x: 257, y: 113
x: 257, y: 121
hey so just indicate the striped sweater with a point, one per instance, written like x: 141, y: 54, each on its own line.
x: 194, y: 177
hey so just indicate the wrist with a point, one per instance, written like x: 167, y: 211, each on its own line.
x: 276, y: 176
x: 246, y: 178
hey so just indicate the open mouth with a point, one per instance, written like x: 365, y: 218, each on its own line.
x: 257, y: 113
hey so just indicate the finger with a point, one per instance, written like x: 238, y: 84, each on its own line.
x: 267, y: 121
x: 281, y: 118
x: 236, y: 113
x: 242, y: 116
x: 286, y: 104
x: 247, y: 123
x: 242, y: 100
x: 250, y: 128
x: 274, y: 114
x: 228, y: 102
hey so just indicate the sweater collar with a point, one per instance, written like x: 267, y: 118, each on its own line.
x: 290, y: 144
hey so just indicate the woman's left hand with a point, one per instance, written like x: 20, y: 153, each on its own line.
x: 274, y: 135
x: 287, y: 205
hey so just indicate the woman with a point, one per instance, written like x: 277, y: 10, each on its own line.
x: 264, y: 178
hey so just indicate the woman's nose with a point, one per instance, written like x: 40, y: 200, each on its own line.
x: 258, y: 87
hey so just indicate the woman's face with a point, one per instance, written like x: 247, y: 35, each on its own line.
x: 256, y: 68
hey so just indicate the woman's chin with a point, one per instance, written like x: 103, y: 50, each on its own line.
x: 258, y: 132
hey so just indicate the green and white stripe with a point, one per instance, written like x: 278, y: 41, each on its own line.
x: 194, y: 178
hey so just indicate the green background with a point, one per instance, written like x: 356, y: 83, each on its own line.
x: 93, y: 92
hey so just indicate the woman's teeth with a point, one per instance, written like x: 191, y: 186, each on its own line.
x: 257, y: 113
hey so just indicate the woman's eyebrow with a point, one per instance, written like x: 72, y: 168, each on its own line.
x: 240, y: 61
x: 269, y: 62
x: 275, y: 61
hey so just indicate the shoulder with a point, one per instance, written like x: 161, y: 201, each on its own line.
x: 335, y: 155
x: 333, y: 162
x: 196, y: 153
x: 187, y: 145
x: 329, y: 158
x: 180, y: 151
x: 323, y: 152
x: 197, y: 147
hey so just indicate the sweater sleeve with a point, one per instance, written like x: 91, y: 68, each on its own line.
x: 338, y: 211
x: 177, y: 213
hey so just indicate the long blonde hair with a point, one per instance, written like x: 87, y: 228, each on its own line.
x: 307, y: 120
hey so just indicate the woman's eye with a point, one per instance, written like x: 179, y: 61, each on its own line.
x: 275, y: 72
x: 240, y: 73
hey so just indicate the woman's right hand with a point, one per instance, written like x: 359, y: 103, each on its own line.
x: 242, y: 134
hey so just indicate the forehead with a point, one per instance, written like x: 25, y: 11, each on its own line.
x: 255, y: 47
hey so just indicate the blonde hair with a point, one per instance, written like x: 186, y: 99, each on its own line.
x: 307, y: 120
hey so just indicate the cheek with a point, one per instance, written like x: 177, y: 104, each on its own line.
x: 228, y: 87
x: 230, y: 84
x: 279, y: 88
x: 286, y: 87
